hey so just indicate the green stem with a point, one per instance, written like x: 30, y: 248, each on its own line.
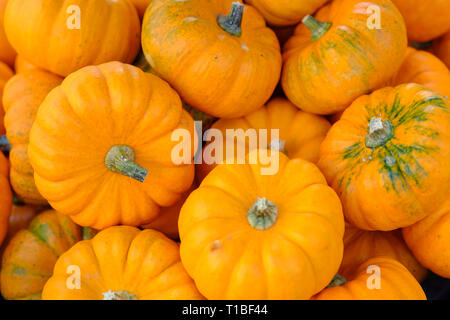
x: 317, y: 28
x: 337, y: 281
x: 380, y: 132
x: 121, y: 159
x: 263, y: 214
x: 232, y: 22
x: 118, y: 295
x: 5, y: 146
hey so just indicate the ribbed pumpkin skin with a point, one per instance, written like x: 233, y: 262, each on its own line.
x: 7, y: 53
x: 398, y: 182
x: 144, y: 263
x: 441, y: 48
x: 5, y: 197
x: 38, y: 30
x: 423, y: 68
x: 5, y: 74
x: 285, y: 12
x: 31, y: 254
x: 428, y: 240
x: 21, y: 65
x: 293, y: 259
x: 22, y: 97
x: 132, y: 108
x: 301, y: 132
x: 349, y: 60
x: 397, y: 283
x: 361, y: 245
x: 425, y: 20
x: 218, y: 73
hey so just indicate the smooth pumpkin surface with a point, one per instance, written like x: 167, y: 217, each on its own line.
x: 45, y: 32
x: 390, y: 145
x: 112, y: 164
x: 425, y: 20
x: 300, y: 134
x: 22, y: 97
x: 245, y: 235
x: 325, y: 71
x: 441, y: 47
x: 361, y: 245
x: 31, y: 254
x: 226, y: 72
x: 285, y: 12
x: 5, y: 197
x: 141, y: 6
x: 5, y: 74
x: 123, y: 263
x: 428, y: 239
x: 7, y: 53
x: 21, y: 65
x: 396, y: 283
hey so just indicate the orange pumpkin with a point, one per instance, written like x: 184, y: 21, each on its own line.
x: 21, y: 65
x: 141, y: 6
x: 425, y: 20
x: 123, y: 263
x: 5, y: 197
x: 387, y: 157
x: 7, y: 53
x: 395, y: 283
x: 441, y: 48
x: 428, y: 239
x: 246, y: 234
x: 5, y: 74
x: 361, y: 245
x: 224, y: 65
x: 31, y: 254
x: 101, y: 146
x: 299, y: 134
x: 285, y: 12
x: 334, y: 58
x: 63, y: 36
x: 22, y: 97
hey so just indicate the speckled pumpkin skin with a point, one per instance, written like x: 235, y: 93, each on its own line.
x: 325, y: 76
x: 396, y: 282
x: 223, y: 75
x: 31, y: 254
x: 144, y: 263
x: 401, y: 181
x: 428, y: 239
x: 5, y: 197
x: 441, y: 47
x: 285, y: 12
x: 23, y: 94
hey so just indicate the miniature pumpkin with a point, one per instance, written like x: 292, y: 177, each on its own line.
x: 31, y: 254
x: 361, y: 245
x: 218, y: 55
x: 22, y: 97
x: 101, y: 146
x: 123, y: 263
x: 428, y: 239
x: 425, y: 20
x: 5, y: 197
x: 299, y: 134
x: 334, y: 58
x: 395, y: 283
x: 21, y: 65
x: 64, y: 36
x: 285, y: 12
x: 248, y: 234
x: 441, y: 48
x: 5, y: 74
x: 7, y: 53
x: 390, y: 146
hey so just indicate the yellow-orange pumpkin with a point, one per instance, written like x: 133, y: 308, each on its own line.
x: 21, y: 65
x: 441, y: 48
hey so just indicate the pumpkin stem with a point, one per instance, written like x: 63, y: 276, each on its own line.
x: 317, y: 28
x: 263, y: 214
x: 337, y: 281
x: 120, y: 159
x: 118, y: 295
x: 379, y: 133
x: 5, y: 146
x: 232, y: 22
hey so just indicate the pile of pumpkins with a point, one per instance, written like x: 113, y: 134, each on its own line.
x: 92, y: 205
